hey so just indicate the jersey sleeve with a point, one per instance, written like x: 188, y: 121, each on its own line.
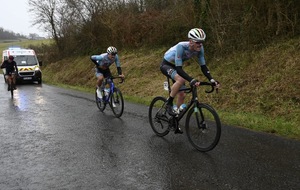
x: 96, y: 57
x: 201, y: 59
x: 3, y: 65
x: 117, y: 61
x: 178, y: 55
x: 16, y: 67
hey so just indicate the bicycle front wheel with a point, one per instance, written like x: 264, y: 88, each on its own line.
x: 11, y: 88
x: 203, y: 127
x: 117, y: 102
x: 99, y: 101
x: 158, y: 116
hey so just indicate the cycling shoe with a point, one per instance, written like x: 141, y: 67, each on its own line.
x: 170, y: 110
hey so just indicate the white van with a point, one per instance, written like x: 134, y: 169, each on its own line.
x: 27, y: 62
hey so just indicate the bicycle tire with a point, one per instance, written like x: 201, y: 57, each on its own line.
x: 99, y: 101
x: 203, y: 127
x: 11, y: 90
x: 158, y: 119
x: 117, y: 102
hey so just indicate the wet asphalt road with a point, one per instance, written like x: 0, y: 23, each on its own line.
x: 52, y: 138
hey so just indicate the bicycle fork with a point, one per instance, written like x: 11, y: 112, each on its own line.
x: 199, y: 114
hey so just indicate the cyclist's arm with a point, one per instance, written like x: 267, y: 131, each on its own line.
x: 16, y: 67
x: 3, y: 65
x: 179, y: 62
x: 96, y: 59
x: 206, y: 72
x: 119, y: 70
x: 118, y: 64
x: 183, y: 74
x: 201, y: 61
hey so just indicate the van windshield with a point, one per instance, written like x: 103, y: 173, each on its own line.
x: 26, y: 60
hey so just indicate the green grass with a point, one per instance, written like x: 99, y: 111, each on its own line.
x: 22, y: 43
x: 259, y: 122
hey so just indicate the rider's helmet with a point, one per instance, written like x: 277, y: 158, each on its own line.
x: 112, y: 50
x: 197, y: 34
x: 11, y: 57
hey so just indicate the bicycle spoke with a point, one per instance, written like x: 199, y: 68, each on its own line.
x: 203, y: 128
x: 99, y: 101
x: 117, y: 102
x: 157, y: 116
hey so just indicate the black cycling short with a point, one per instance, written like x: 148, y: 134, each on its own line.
x: 168, y: 69
x: 105, y: 72
x: 10, y: 73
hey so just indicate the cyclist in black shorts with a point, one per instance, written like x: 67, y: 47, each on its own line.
x: 172, y: 63
x: 11, y: 70
x: 102, y: 62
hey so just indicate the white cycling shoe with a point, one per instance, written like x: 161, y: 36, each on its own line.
x: 99, y: 94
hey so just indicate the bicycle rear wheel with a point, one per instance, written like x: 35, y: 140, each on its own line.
x: 203, y: 127
x: 117, y: 102
x: 99, y: 101
x: 158, y: 116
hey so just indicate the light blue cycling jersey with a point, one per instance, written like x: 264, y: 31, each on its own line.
x: 181, y: 52
x: 104, y: 61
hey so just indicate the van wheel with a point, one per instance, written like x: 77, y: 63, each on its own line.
x: 40, y: 81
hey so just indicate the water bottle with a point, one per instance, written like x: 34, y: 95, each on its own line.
x: 106, y: 91
x: 166, y: 85
x: 182, y: 107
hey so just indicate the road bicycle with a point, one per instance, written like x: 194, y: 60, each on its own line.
x: 11, y: 86
x: 202, y: 124
x: 111, y: 95
x: 11, y: 89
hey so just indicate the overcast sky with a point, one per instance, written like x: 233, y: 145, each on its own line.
x: 15, y: 17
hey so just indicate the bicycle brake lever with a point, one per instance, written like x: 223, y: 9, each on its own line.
x: 122, y: 80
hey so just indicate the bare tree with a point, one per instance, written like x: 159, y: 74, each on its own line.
x: 45, y: 15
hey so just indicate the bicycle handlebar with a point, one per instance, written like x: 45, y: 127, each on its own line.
x: 116, y: 77
x: 188, y: 90
x: 208, y: 84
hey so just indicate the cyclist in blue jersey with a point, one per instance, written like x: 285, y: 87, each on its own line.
x: 172, y: 64
x: 102, y: 62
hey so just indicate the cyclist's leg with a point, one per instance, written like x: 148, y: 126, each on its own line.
x: 180, y: 98
x: 179, y: 82
x: 100, y: 78
x: 13, y: 76
x: 8, y: 79
x: 107, y: 73
x: 169, y: 70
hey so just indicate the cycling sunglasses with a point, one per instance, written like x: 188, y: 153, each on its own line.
x: 198, y: 42
x: 113, y: 53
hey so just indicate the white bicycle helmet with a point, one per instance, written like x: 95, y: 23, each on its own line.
x: 197, y: 34
x: 112, y: 50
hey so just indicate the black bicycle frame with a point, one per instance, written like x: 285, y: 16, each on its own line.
x: 194, y: 100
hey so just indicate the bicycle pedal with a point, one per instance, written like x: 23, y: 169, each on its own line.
x: 178, y: 131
